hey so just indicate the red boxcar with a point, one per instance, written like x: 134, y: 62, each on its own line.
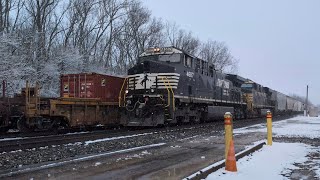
x: 91, y: 85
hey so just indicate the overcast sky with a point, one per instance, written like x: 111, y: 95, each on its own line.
x: 276, y: 41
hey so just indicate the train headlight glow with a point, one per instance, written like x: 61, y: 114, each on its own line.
x: 156, y: 50
x: 127, y: 91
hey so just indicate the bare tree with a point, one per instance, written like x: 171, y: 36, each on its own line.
x: 219, y: 54
x: 107, y: 36
x: 138, y: 32
x: 5, y: 9
x: 181, y: 39
x: 1, y: 16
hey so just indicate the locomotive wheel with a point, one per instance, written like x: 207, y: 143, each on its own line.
x: 22, y: 125
x: 194, y: 119
x: 62, y: 127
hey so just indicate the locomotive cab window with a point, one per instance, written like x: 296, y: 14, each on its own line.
x: 247, y: 86
x: 205, y: 68
x: 211, y: 69
x: 189, y: 62
x: 173, y: 58
x: 197, y: 68
x: 201, y: 66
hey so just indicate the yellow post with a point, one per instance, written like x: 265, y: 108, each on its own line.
x: 228, y: 132
x: 269, y: 128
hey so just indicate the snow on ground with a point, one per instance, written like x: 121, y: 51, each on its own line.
x: 129, y: 157
x: 300, y: 126
x: 270, y: 162
x: 33, y: 137
x: 281, y: 159
x: 116, y: 138
x: 11, y: 139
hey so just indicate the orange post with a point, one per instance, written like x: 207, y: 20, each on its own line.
x: 228, y: 131
x: 269, y: 128
x: 231, y: 162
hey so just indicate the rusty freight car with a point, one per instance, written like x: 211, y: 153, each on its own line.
x: 91, y: 85
x: 87, y: 99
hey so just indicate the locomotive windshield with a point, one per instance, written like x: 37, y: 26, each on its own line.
x: 247, y: 86
x: 162, y: 57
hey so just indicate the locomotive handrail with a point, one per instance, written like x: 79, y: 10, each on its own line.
x: 164, y: 82
x: 124, y: 95
x: 173, y: 104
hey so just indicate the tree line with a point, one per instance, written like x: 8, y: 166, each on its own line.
x: 41, y: 39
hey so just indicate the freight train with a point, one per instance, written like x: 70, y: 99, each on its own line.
x: 166, y: 86
x: 170, y: 86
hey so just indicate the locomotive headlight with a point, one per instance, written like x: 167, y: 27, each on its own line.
x: 152, y: 90
x: 156, y: 50
x: 127, y: 91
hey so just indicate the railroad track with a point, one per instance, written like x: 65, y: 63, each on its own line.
x: 42, y: 141
x: 21, y: 143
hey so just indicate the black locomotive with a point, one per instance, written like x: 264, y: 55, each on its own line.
x: 168, y: 85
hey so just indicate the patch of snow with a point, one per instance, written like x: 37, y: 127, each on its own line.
x: 116, y: 138
x: 82, y: 132
x: 11, y: 139
x: 20, y: 138
x: 73, y: 144
x: 129, y: 157
x: 203, y: 157
x: 176, y: 146
x: 222, y: 161
x: 145, y: 152
x: 97, y: 164
x: 295, y: 127
x: 188, y: 138
x: 19, y: 150
x: 45, y: 147
x: 268, y: 163
x: 13, y: 130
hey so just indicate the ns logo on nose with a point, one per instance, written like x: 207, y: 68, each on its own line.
x: 145, y: 79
